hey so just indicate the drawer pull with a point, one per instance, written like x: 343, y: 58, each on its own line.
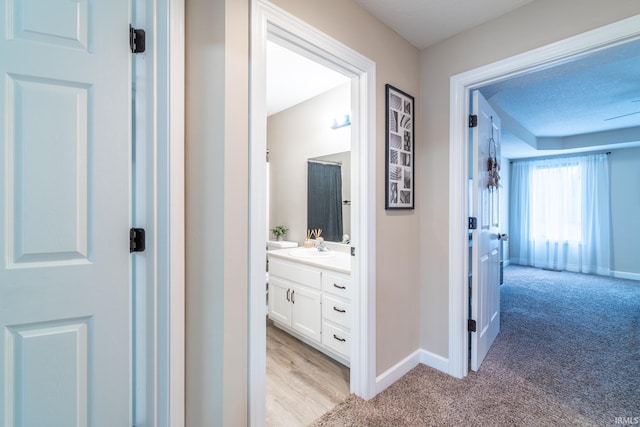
x: 339, y: 310
x: 338, y: 338
x: 335, y: 285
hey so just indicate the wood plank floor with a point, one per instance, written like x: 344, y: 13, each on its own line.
x: 302, y: 383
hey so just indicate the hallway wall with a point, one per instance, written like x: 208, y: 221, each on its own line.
x: 217, y: 142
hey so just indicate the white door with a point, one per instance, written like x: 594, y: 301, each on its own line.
x: 485, y: 282
x: 65, y: 112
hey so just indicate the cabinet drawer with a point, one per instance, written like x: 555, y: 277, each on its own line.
x: 337, y: 285
x: 295, y: 272
x: 337, y: 339
x: 336, y: 311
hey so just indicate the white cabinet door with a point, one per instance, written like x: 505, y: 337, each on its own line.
x: 306, y: 312
x: 65, y: 171
x: 279, y: 301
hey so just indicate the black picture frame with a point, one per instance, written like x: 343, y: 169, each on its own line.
x: 400, y: 149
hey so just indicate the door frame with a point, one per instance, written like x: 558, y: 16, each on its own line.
x: 461, y: 86
x: 160, y: 392
x: 269, y: 21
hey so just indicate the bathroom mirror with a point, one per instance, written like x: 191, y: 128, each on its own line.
x: 329, y: 195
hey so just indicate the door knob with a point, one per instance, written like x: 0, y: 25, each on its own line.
x: 504, y: 237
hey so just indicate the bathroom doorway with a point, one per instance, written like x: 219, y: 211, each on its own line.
x: 273, y: 24
x: 308, y: 188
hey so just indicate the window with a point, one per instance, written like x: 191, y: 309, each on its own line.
x: 556, y: 203
x: 559, y: 213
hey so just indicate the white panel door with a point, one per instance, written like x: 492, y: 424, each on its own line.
x: 65, y: 113
x: 485, y: 282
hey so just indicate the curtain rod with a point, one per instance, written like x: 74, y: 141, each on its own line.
x: 326, y: 162
x: 560, y: 156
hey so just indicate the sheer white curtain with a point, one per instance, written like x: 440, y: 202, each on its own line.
x: 559, y: 214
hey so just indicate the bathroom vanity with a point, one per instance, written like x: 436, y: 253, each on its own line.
x: 310, y: 298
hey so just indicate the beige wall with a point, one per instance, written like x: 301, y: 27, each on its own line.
x: 217, y: 50
x: 397, y: 258
x: 625, y: 211
x: 534, y: 25
x: 293, y: 136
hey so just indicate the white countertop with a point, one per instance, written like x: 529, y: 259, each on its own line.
x: 339, y: 261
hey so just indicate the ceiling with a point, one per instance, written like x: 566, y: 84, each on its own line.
x: 426, y: 22
x: 292, y: 78
x: 588, y: 103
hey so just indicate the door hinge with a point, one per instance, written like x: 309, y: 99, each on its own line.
x: 136, y: 40
x: 471, y: 325
x: 353, y: 251
x: 473, y: 120
x: 136, y: 240
x: 473, y: 223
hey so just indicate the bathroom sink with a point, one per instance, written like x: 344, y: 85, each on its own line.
x: 310, y: 253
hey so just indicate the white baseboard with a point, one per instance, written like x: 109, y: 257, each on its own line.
x: 434, y: 361
x: 396, y: 372
x: 625, y: 275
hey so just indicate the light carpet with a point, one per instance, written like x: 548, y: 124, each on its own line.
x: 568, y: 354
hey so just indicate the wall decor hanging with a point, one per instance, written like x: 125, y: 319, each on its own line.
x: 493, y: 166
x: 400, y: 150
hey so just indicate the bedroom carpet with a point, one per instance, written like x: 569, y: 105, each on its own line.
x: 568, y: 354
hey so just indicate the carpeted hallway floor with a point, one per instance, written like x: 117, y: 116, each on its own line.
x: 568, y: 354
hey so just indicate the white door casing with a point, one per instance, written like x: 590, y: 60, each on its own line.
x: 485, y: 280
x: 460, y: 87
x: 65, y: 213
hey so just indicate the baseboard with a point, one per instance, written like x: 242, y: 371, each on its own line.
x: 434, y: 361
x: 625, y: 275
x: 396, y: 372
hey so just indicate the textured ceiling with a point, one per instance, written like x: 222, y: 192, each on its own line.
x: 592, y: 101
x: 595, y: 93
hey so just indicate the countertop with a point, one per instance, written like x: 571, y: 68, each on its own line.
x: 340, y: 261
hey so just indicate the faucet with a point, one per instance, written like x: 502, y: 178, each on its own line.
x: 320, y: 245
